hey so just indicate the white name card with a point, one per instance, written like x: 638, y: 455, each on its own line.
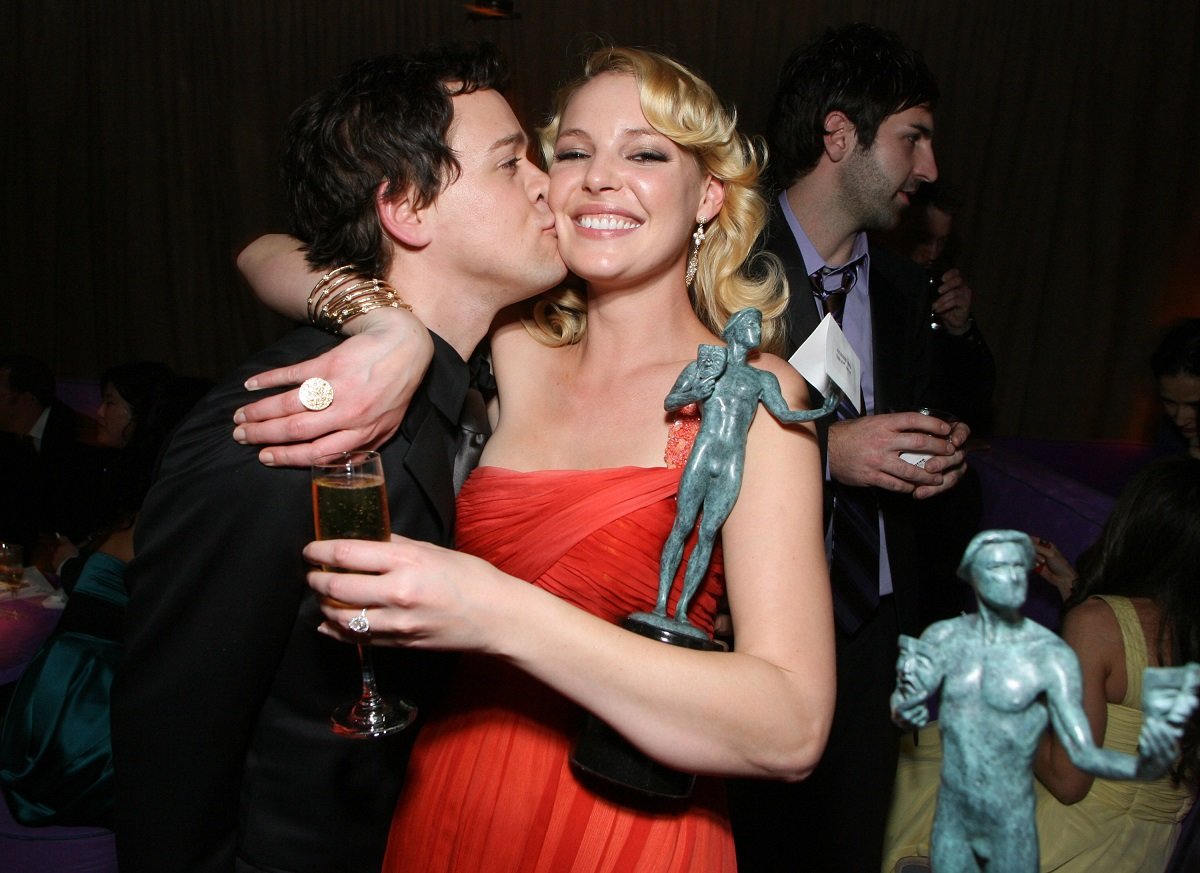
x: 826, y: 358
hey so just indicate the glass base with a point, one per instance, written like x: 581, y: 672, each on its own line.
x: 376, y: 717
x: 604, y: 754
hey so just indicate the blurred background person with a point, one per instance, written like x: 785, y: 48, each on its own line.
x: 52, y: 465
x: 964, y: 381
x: 136, y: 409
x: 929, y: 226
x: 1176, y: 367
x: 55, y: 747
x: 965, y: 368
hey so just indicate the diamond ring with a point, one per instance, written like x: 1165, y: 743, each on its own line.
x: 359, y: 623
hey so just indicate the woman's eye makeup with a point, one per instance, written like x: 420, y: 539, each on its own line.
x: 648, y: 156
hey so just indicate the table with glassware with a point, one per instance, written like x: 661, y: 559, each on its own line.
x: 28, y: 615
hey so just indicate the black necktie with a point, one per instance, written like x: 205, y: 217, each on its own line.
x: 473, y: 426
x: 854, y: 568
x: 473, y: 431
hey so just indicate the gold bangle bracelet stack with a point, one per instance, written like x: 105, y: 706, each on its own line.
x: 341, y: 294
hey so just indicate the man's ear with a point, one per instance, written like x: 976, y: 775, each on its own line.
x: 841, y: 136
x: 400, y: 219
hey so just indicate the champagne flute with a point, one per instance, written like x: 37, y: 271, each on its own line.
x: 350, y: 502
x: 12, y: 574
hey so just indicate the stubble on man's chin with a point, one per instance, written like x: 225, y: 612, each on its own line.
x: 868, y: 195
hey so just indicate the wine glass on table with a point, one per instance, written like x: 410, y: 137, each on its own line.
x: 12, y: 574
x: 350, y: 502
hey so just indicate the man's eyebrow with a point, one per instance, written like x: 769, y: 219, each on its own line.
x: 924, y: 129
x: 517, y: 138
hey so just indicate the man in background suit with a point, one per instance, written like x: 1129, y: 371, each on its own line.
x: 53, y: 468
x: 851, y: 139
x: 224, y: 757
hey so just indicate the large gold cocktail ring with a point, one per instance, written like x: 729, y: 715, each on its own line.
x: 315, y: 394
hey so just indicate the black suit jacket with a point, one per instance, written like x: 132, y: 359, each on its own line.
x: 901, y: 349
x: 221, y: 707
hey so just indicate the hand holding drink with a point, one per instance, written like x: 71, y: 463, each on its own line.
x: 918, y: 459
x: 350, y: 502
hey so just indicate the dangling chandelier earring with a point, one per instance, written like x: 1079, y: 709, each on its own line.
x: 694, y: 260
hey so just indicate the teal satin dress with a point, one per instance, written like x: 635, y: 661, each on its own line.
x: 55, y: 746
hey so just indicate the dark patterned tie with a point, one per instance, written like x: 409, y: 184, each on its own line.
x: 473, y: 426
x: 831, y: 285
x: 854, y: 568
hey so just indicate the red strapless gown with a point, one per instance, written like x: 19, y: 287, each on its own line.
x: 489, y: 787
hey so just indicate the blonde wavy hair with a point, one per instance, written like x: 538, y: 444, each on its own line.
x: 730, y: 276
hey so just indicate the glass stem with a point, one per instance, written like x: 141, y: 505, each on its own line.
x: 370, y: 694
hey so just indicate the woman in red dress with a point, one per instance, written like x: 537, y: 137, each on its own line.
x: 562, y: 526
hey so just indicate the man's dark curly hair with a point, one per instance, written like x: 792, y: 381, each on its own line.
x: 861, y: 70
x: 385, y: 120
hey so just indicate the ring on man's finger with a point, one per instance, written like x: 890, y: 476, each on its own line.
x: 315, y: 394
x: 359, y: 623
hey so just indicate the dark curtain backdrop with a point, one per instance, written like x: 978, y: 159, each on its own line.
x: 140, y: 139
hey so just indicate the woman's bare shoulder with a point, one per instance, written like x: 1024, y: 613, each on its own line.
x: 515, y: 350
x: 1092, y: 631
x: 1093, y: 621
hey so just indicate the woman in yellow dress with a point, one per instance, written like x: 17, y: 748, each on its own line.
x: 1136, y: 606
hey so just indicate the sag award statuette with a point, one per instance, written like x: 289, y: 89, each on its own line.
x: 1000, y: 679
x: 728, y: 391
